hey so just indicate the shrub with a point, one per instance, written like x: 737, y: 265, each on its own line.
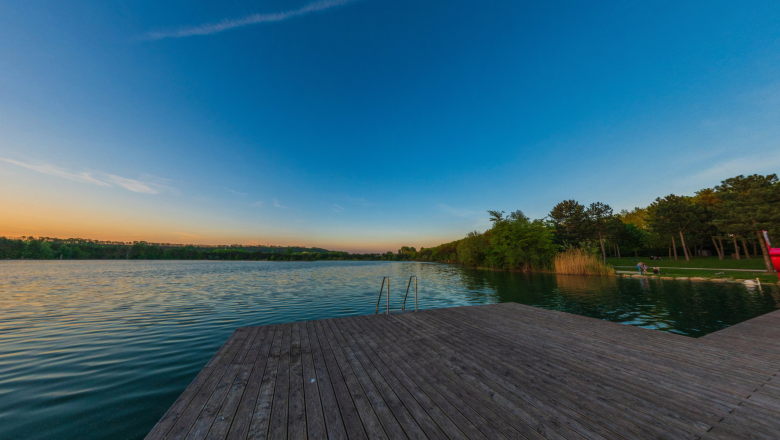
x: 581, y: 262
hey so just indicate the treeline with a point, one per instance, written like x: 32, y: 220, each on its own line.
x: 515, y: 242
x: 46, y: 248
x: 725, y: 220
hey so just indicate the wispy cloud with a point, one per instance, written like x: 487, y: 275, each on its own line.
x: 92, y: 178
x: 54, y: 171
x: 132, y: 185
x: 756, y: 164
x: 188, y: 235
x: 213, y: 28
x: 336, y: 208
x: 234, y: 191
x: 276, y: 203
x: 258, y: 204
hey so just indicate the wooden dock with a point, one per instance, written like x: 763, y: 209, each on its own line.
x: 489, y: 372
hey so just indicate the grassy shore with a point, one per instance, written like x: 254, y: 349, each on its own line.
x: 756, y: 263
x: 735, y: 275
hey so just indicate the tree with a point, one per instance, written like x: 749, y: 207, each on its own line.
x: 634, y: 238
x: 471, y: 250
x: 570, y: 222
x: 636, y: 217
x: 675, y: 214
x: 407, y: 253
x: 599, y: 216
x: 709, y: 201
x: 618, y: 232
x: 750, y: 204
x: 518, y: 243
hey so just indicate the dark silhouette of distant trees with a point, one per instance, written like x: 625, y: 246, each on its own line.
x: 44, y: 248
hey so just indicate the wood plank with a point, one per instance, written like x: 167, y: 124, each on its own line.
x: 315, y: 420
x: 488, y: 371
x: 334, y: 423
x: 161, y: 429
x: 481, y: 413
x: 261, y: 414
x: 239, y: 427
x: 415, y: 385
x: 613, y: 353
x: 585, y: 371
x: 296, y: 422
x: 395, y: 418
x: 190, y: 415
x: 367, y: 402
x: 575, y: 402
x: 487, y: 394
x: 224, y: 418
x: 208, y: 414
x: 347, y: 407
x: 280, y: 405
x: 389, y: 381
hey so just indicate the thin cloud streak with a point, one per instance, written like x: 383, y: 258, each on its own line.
x: 54, y: 171
x: 276, y: 203
x: 213, y: 28
x: 100, y: 179
x: 130, y: 184
x: 756, y: 164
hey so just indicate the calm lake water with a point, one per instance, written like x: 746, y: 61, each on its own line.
x: 100, y: 350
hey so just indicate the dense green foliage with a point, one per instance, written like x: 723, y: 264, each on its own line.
x: 718, y: 221
x: 513, y: 243
x: 44, y: 248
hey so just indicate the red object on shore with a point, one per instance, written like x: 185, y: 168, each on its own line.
x: 774, y: 254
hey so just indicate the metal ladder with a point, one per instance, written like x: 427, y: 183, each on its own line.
x: 403, y: 307
x: 407, y: 292
x: 380, y: 295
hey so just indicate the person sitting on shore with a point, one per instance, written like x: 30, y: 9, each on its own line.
x: 642, y: 267
x: 656, y: 271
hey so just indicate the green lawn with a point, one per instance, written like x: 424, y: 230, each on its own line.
x: 703, y: 262
x: 712, y: 274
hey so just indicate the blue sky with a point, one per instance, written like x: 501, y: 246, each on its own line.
x: 370, y: 124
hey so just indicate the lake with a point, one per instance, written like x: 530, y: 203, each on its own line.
x: 100, y: 350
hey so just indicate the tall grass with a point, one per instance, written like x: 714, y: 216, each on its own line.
x: 581, y: 262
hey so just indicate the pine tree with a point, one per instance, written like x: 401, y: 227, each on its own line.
x: 749, y: 205
x: 676, y: 215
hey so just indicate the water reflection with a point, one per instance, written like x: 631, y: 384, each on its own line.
x: 682, y: 307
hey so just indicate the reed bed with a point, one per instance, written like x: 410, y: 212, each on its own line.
x: 581, y: 262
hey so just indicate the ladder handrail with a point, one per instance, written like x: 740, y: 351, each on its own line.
x: 380, y: 295
x: 407, y: 292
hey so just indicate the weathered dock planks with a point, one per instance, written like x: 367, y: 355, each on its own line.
x: 491, y: 372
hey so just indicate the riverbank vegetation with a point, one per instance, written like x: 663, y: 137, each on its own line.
x: 46, y: 248
x: 580, y: 262
x: 725, y: 221
x: 725, y: 274
x: 712, y: 263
